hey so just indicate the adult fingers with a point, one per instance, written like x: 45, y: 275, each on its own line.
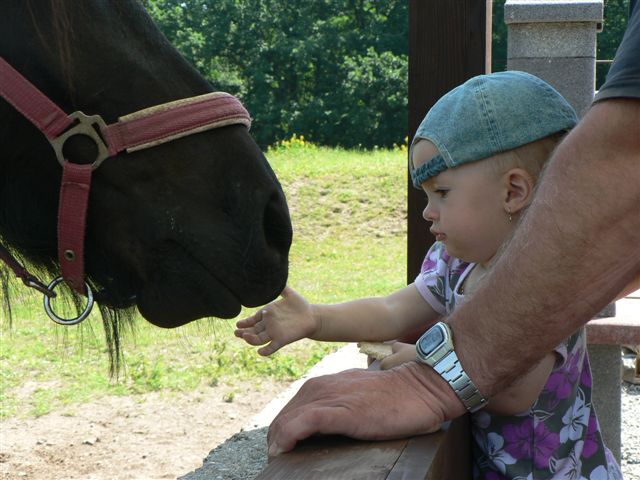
x: 315, y: 409
x: 288, y: 429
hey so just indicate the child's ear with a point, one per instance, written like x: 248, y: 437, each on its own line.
x: 518, y: 187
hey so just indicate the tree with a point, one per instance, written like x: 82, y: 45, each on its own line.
x: 616, y: 15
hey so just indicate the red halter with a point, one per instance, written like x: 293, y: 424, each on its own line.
x: 142, y: 129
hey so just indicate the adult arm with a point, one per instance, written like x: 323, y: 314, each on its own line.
x: 515, y: 399
x: 575, y: 250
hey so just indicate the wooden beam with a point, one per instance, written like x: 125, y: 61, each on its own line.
x: 449, y: 42
x: 341, y: 458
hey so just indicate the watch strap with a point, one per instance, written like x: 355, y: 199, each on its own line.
x: 450, y: 369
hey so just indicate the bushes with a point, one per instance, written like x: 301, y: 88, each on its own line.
x: 367, y: 108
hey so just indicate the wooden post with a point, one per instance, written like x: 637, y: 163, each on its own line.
x: 449, y: 42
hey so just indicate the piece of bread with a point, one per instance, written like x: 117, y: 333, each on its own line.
x: 377, y: 350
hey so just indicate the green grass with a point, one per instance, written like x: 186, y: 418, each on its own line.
x: 349, y: 216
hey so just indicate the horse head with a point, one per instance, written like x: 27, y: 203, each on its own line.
x: 192, y: 228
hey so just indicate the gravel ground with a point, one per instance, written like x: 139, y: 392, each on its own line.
x: 244, y: 455
x: 630, y: 461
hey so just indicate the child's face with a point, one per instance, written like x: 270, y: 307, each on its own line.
x: 465, y: 207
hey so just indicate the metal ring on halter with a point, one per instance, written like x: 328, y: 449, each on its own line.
x: 67, y: 321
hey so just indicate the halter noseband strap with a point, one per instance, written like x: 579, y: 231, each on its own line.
x: 143, y: 129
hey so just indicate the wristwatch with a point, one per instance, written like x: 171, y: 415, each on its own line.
x: 435, y: 348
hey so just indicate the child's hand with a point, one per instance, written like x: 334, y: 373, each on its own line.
x: 279, y: 323
x: 402, y: 353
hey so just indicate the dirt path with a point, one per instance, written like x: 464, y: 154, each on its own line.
x: 146, y: 437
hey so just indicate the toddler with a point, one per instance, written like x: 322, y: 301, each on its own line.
x: 477, y: 156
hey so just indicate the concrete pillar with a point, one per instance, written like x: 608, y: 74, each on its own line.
x: 606, y: 369
x: 556, y: 41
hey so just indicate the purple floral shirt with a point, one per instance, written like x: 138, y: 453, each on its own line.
x: 559, y: 436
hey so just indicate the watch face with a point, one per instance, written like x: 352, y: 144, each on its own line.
x: 433, y: 338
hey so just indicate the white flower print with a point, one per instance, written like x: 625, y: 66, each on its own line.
x: 433, y: 255
x: 568, y: 468
x: 599, y: 473
x: 520, y: 477
x: 495, y: 452
x: 442, y: 266
x: 575, y: 419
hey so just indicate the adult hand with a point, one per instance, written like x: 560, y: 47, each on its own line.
x: 402, y: 353
x: 279, y: 323
x: 369, y: 405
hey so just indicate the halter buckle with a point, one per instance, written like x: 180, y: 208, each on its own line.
x: 86, y: 126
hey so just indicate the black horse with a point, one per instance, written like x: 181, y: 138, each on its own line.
x: 192, y: 228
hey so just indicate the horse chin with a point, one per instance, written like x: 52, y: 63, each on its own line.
x: 179, y: 305
x: 191, y: 288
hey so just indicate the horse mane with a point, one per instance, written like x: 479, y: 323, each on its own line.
x: 114, y: 320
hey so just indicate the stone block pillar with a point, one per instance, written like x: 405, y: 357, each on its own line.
x: 556, y: 41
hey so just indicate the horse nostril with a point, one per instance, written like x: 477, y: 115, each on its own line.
x: 276, y: 223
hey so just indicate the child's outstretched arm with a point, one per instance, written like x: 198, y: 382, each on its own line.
x: 370, y: 319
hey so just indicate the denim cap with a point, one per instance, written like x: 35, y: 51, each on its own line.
x: 486, y: 115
